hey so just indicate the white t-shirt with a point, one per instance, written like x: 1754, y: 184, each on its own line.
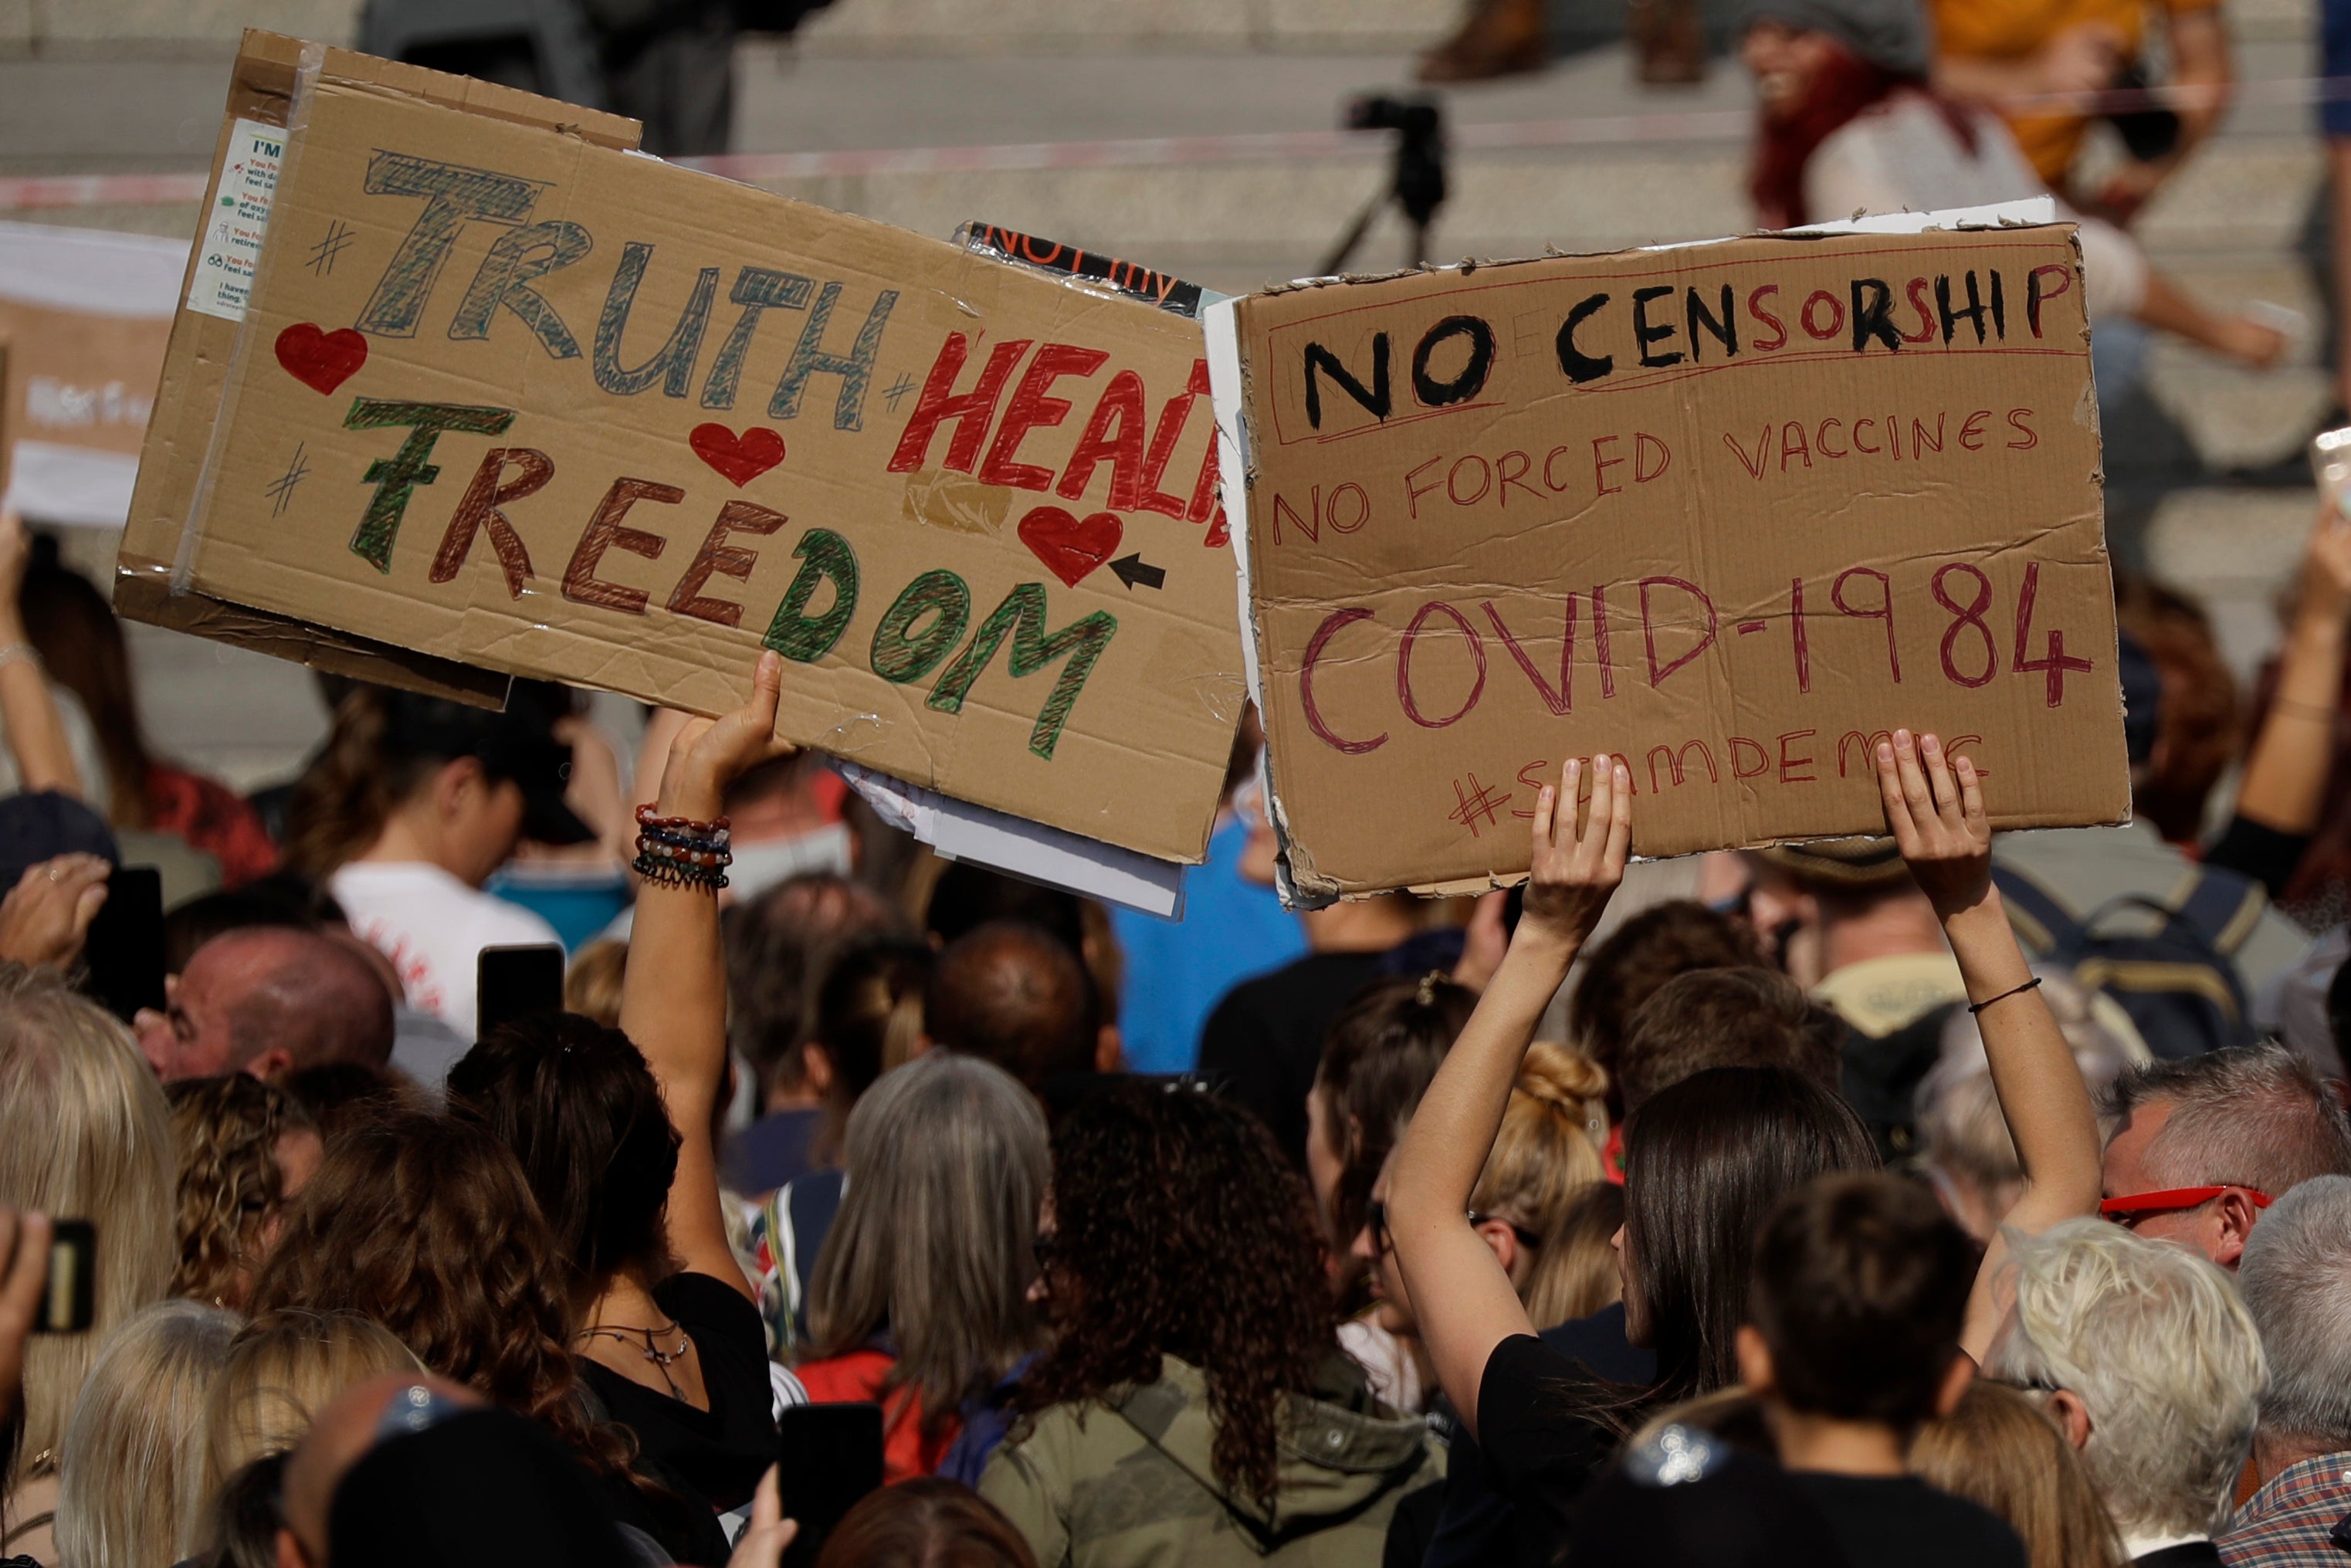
x: 431, y: 927
x: 1901, y: 155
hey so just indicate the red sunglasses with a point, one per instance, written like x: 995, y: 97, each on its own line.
x: 2138, y: 1205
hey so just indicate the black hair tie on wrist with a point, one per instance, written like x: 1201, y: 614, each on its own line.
x: 2032, y: 984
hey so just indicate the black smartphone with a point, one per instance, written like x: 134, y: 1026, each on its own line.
x: 513, y: 983
x: 829, y: 1459
x: 124, y: 953
x: 69, y: 1300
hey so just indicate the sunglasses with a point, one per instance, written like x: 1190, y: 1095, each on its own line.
x: 2128, y: 1211
x: 1376, y: 1217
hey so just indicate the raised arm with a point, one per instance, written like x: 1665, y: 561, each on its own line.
x: 2285, y: 777
x: 674, y: 998
x: 36, y: 734
x: 1935, y: 809
x: 1459, y: 1292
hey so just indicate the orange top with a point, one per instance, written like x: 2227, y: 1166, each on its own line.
x: 2011, y: 29
x: 858, y: 1377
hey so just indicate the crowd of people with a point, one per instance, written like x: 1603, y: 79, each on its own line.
x: 1924, y: 1197
x: 1932, y: 1197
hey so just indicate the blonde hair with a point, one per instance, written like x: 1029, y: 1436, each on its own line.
x: 285, y: 1366
x: 591, y: 987
x: 2000, y: 1450
x: 1543, y: 1160
x: 83, y: 1135
x: 132, y: 1490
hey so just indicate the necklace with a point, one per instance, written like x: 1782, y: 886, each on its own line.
x: 662, y: 1359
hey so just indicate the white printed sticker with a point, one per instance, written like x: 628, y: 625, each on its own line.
x: 232, y: 231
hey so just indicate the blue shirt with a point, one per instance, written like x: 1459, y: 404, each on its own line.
x: 1232, y: 929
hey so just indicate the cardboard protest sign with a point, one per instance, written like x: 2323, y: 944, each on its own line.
x: 505, y: 396
x: 88, y: 314
x: 1730, y: 510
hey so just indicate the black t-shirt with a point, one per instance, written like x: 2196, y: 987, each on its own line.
x: 1900, y: 1522
x: 1476, y: 1523
x: 1539, y: 1452
x: 1264, y: 1040
x: 721, y: 1452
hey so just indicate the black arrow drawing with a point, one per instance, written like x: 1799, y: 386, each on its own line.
x: 1132, y: 570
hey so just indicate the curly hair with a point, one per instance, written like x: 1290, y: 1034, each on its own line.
x: 581, y: 1111
x: 1179, y: 1229
x: 426, y: 1224
x: 226, y: 1132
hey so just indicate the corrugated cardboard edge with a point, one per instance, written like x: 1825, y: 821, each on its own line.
x: 188, y: 399
x: 1304, y: 888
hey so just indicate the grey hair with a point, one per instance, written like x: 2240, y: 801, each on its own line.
x: 131, y: 1490
x: 2153, y: 1341
x: 1959, y: 1119
x: 2251, y: 1115
x: 2296, y: 1277
x: 948, y: 1162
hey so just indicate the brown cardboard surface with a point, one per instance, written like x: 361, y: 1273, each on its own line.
x: 678, y: 417
x: 188, y: 399
x: 1569, y: 515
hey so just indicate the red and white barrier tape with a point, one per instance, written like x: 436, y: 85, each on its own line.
x: 48, y: 192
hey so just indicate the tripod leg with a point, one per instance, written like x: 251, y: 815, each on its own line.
x: 1353, y: 236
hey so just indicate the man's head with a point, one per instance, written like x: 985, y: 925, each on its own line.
x: 1009, y: 994
x: 2296, y: 1281
x: 1818, y: 906
x: 1650, y: 949
x: 2198, y: 1147
x: 266, y: 1000
x: 1860, y: 1282
x: 1741, y: 1015
x: 2149, y: 1363
x: 778, y: 947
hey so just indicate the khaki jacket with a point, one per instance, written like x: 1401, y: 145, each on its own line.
x: 1127, y: 1482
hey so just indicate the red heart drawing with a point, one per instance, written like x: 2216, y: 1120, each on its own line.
x: 740, y: 459
x: 320, y: 360
x: 1071, y: 547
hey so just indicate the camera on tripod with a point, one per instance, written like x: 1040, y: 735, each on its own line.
x: 1416, y: 183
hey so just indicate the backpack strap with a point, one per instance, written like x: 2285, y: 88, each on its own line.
x: 2042, y: 925
x: 2223, y: 905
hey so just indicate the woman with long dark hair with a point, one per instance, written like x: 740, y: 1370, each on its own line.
x: 672, y: 1346
x: 1196, y: 1361
x: 1847, y: 122
x: 1706, y: 1159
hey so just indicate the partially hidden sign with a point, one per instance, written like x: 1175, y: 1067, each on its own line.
x: 508, y: 395
x: 1728, y: 510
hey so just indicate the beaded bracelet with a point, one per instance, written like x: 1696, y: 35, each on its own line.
x: 679, y: 852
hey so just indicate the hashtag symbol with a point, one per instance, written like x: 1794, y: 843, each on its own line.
x: 280, y: 490
x: 1474, y: 802
x: 323, y: 253
x: 897, y: 389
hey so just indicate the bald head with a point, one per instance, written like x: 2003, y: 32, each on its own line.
x: 340, y: 1437
x: 1009, y: 994
x: 267, y: 1000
